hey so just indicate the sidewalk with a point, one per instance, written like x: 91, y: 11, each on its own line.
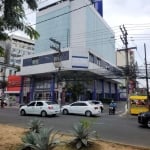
x: 14, y: 106
x: 121, y: 107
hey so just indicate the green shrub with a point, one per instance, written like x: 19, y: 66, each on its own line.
x: 82, y: 134
x: 35, y: 125
x: 43, y: 140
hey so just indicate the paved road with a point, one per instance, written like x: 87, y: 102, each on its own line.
x: 124, y: 129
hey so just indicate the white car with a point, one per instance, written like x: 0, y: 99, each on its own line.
x: 42, y: 108
x: 81, y: 107
x: 99, y: 103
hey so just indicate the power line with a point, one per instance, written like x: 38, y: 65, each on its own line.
x: 64, y: 13
x: 60, y: 15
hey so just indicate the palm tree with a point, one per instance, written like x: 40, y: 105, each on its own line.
x: 13, y: 17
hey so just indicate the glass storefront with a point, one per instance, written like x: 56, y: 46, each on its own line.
x: 42, y: 90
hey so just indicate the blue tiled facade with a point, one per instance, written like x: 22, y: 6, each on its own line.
x: 44, y: 59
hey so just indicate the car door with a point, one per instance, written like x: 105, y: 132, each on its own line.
x: 73, y: 108
x: 30, y: 108
x: 83, y: 108
x: 38, y: 108
x: 76, y: 108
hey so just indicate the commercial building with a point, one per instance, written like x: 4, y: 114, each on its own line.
x: 19, y: 46
x: 82, y: 50
x: 15, y: 48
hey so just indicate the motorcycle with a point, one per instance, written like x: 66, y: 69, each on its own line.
x: 112, y: 110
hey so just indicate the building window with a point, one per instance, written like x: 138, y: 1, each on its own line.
x: 35, y: 61
x: 91, y: 58
x: 46, y: 59
x: 98, y: 61
x: 65, y: 55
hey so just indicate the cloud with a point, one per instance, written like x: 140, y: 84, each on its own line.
x: 126, y: 11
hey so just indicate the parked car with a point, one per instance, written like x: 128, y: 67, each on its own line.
x: 99, y: 103
x: 86, y: 108
x: 144, y: 119
x: 42, y: 108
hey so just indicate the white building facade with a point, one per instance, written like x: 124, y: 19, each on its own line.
x: 87, y: 48
x: 15, y: 48
x: 20, y: 46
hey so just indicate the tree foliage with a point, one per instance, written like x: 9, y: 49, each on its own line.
x: 75, y: 88
x: 13, y: 17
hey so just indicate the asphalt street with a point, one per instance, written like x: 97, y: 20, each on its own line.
x: 118, y: 128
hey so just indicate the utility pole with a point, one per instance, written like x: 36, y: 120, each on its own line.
x: 146, y: 71
x: 124, y: 40
x: 56, y: 45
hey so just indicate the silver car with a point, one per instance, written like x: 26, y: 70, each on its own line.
x: 42, y: 108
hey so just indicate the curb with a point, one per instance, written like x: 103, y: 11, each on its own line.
x: 125, y: 112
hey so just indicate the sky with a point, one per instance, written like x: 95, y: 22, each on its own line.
x: 134, y: 15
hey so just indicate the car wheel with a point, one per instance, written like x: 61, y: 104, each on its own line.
x: 43, y: 114
x: 148, y: 123
x: 22, y: 113
x: 88, y: 113
x: 65, y: 112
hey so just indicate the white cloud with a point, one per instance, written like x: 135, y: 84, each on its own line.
x: 127, y: 12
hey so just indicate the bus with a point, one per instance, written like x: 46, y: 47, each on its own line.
x: 138, y: 104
